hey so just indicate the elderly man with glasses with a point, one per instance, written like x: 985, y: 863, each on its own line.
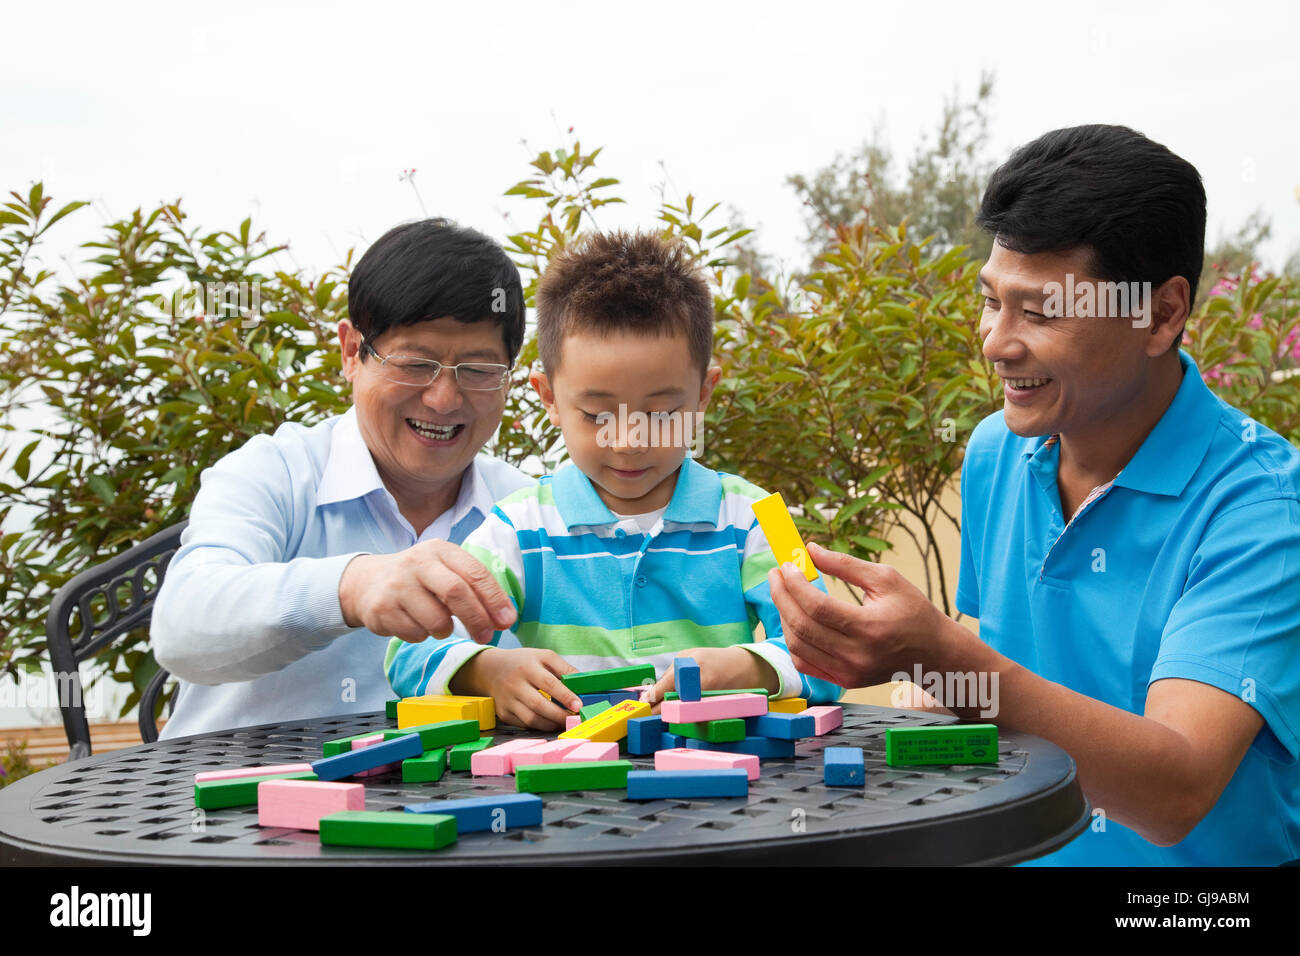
x: 308, y: 549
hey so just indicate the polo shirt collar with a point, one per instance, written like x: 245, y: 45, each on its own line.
x: 695, y: 500
x: 1171, y: 452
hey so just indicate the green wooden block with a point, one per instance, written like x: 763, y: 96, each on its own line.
x: 408, y: 831
x: 615, y: 678
x: 555, y: 777
x: 444, y: 733
x: 723, y: 731
x: 425, y: 769
x: 672, y: 694
x: 239, y: 792
x: 332, y: 748
x: 461, y: 754
x: 591, y: 710
x: 390, y: 709
x: 952, y: 744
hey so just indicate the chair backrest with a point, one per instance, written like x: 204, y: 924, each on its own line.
x: 111, y: 600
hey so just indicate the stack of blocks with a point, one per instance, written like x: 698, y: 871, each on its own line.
x: 706, y: 744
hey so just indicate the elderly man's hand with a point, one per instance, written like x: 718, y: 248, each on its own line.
x: 851, y: 645
x: 414, y: 593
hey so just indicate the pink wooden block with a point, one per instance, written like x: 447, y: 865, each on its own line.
x: 592, y: 750
x: 552, y: 751
x: 825, y: 719
x: 713, y: 708
x: 572, y: 721
x: 682, y: 758
x: 366, y: 742
x: 301, y: 803
x: 495, y: 761
x: 238, y: 772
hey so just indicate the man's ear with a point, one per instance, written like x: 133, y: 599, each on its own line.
x: 350, y: 346
x: 542, y: 385
x: 1170, y: 307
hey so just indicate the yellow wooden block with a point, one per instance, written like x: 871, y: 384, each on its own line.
x: 782, y: 536
x: 435, y: 707
x: 789, y: 705
x: 609, y: 725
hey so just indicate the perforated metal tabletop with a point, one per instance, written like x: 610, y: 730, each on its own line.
x: 137, y: 806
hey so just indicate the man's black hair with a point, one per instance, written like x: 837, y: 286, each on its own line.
x: 434, y: 268
x: 1138, y: 207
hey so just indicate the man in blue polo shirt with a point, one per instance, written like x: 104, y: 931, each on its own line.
x: 1130, y: 543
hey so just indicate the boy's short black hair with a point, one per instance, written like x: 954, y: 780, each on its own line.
x: 1137, y: 207
x: 434, y: 268
x: 624, y: 281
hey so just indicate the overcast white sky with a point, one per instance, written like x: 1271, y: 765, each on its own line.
x: 304, y: 115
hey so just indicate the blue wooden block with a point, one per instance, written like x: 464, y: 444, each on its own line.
x: 368, y: 758
x: 781, y: 726
x: 843, y: 767
x: 475, y: 814
x: 686, y: 677
x: 761, y: 747
x: 612, y: 697
x: 644, y: 735
x: 663, y: 784
x: 671, y: 741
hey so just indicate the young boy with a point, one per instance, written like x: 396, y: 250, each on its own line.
x: 632, y: 552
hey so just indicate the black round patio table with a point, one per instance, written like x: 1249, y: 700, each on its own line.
x: 137, y: 807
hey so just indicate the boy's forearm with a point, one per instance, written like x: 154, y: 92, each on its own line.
x: 1140, y: 772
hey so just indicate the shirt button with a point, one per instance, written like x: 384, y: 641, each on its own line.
x: 620, y: 533
x: 640, y: 580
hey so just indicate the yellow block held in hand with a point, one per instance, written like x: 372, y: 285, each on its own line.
x: 782, y: 536
x: 609, y: 725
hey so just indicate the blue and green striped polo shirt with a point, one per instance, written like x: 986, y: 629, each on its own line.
x: 595, y: 589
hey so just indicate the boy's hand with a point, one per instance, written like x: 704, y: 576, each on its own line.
x: 722, y: 668
x: 515, y: 677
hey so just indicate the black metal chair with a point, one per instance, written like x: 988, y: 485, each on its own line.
x: 125, y: 596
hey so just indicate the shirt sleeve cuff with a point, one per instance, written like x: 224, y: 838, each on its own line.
x: 452, y: 661
x: 312, y: 608
x: 790, y: 681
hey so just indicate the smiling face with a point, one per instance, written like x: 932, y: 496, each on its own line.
x: 645, y: 374
x: 1065, y: 374
x: 423, y: 439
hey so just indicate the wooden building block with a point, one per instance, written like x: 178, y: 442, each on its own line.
x: 673, y: 695
x: 843, y: 767
x: 643, y: 735
x: 585, y: 775
x: 941, y: 744
x: 782, y: 726
x: 788, y: 705
x: 427, y: 768
x: 236, y: 792
x: 495, y: 761
x: 591, y: 750
x: 765, y: 748
x: 550, y: 751
x: 444, y: 733
x: 685, y: 759
x: 610, y: 724
x: 301, y: 803
x: 589, y: 711
x: 459, y: 756
x: 782, y: 536
x: 498, y: 812
x: 713, y: 708
x: 390, y: 708
x: 681, y: 784
x: 235, y: 773
x: 367, y: 758
x: 377, y: 828
x: 332, y: 748
x: 611, y: 679
x: 571, y: 721
x: 825, y: 719
x: 714, y: 731
x: 418, y: 711
x: 686, y: 678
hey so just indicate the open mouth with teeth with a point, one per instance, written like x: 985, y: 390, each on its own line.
x: 1025, y: 384
x: 434, y: 432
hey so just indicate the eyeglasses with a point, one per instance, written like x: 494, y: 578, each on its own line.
x: 472, y: 376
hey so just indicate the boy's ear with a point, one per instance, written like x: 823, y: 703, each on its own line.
x: 542, y: 385
x: 711, y: 379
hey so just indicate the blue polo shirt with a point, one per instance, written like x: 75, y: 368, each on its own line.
x: 1186, y: 566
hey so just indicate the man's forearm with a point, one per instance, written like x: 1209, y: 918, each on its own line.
x: 1140, y: 772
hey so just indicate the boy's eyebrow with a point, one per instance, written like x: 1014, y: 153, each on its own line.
x: 597, y: 393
